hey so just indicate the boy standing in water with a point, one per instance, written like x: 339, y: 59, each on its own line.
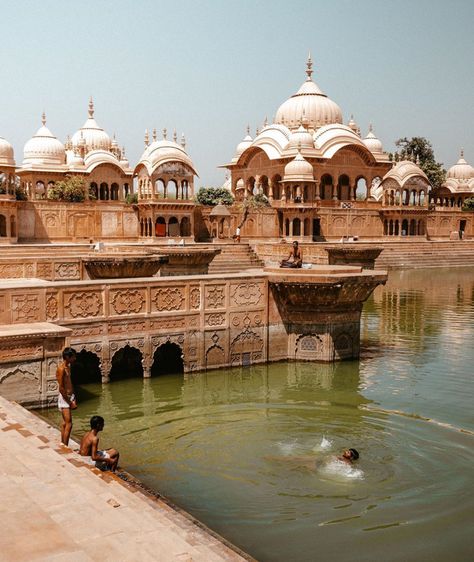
x: 66, y: 398
x: 107, y: 458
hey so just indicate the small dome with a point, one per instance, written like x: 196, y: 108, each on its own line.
x: 301, y: 138
x: 6, y: 153
x: 461, y: 170
x: 44, y: 148
x: 244, y: 144
x: 309, y: 103
x: 240, y: 184
x: 372, y: 142
x: 91, y: 135
x: 220, y: 210
x: 299, y: 169
x: 74, y: 159
x: 403, y: 171
x: 163, y: 152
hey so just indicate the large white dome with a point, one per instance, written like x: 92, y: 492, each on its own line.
x: 94, y: 137
x: 461, y: 170
x: 6, y: 153
x: 309, y: 104
x: 44, y: 148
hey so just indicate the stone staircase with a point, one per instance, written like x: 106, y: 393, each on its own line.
x: 234, y: 258
x: 425, y: 254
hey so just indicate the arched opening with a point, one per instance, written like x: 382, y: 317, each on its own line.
x: 412, y: 227
x: 397, y: 198
x: 40, y: 190
x: 361, y: 189
x: 287, y: 227
x: 142, y: 229
x: 390, y: 227
x: 150, y: 229
x: 167, y: 360
x: 12, y: 227
x: 160, y: 188
x: 421, y: 228
x: 405, y: 227
x: 160, y: 227
x: 276, y: 187
x: 296, y: 227
x: 406, y: 197
x: 86, y: 369
x: 264, y: 185
x: 250, y: 185
x: 172, y: 190
x: 126, y: 190
x: 3, y: 225
x: 126, y: 363
x: 104, y: 192
x: 422, y: 198
x: 173, y: 227
x: 397, y: 228
x: 114, y: 192
x: 185, y: 227
x: 385, y: 227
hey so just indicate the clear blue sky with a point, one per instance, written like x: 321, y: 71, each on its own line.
x: 209, y: 67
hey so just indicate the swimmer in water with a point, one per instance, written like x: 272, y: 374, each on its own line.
x: 349, y: 456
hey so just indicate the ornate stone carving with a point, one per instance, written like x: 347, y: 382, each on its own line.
x: 68, y: 270
x: 51, y: 307
x: 10, y: 270
x: 215, y: 319
x: 215, y: 296
x: 83, y: 304
x: 138, y: 343
x: 93, y: 347
x: 195, y: 298
x: 9, y: 351
x: 44, y: 270
x: 246, y: 341
x: 167, y: 323
x: 25, y: 308
x: 88, y: 331
x: 128, y: 301
x: 170, y: 298
x: 127, y: 327
x: 246, y: 294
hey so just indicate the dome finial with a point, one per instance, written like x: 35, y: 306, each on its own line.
x: 43, y: 118
x: 165, y: 132
x: 147, y: 138
x: 183, y: 141
x: 91, y: 108
x: 154, y: 134
x: 309, y: 68
x: 248, y: 130
x: 462, y: 152
x: 371, y: 129
x: 175, y: 136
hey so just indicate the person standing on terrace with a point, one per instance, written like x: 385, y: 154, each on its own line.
x: 66, y: 397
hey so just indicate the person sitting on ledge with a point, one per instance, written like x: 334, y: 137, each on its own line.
x: 294, y: 259
x: 104, y: 459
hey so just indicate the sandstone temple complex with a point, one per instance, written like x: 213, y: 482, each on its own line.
x: 137, y: 275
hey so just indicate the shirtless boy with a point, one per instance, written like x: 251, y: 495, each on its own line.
x: 107, y: 458
x: 294, y: 259
x: 66, y: 398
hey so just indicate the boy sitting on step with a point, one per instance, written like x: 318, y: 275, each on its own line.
x: 106, y: 459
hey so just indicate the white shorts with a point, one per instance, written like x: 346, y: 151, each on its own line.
x: 62, y: 403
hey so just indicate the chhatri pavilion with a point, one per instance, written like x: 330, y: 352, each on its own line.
x: 321, y: 178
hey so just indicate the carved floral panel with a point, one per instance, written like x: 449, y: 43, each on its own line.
x: 128, y: 301
x: 249, y: 294
x: 25, y: 308
x: 83, y: 304
x: 215, y: 296
x: 169, y: 298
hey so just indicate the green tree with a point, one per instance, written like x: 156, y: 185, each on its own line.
x: 214, y: 195
x: 72, y: 190
x: 421, y: 150
x: 468, y: 204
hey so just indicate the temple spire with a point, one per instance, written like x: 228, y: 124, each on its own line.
x: 147, y: 138
x: 91, y: 108
x: 165, y: 132
x: 309, y: 68
x: 154, y: 134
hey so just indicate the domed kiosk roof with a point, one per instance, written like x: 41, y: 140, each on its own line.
x: 164, y: 151
x: 372, y: 142
x: 404, y: 171
x: 44, y: 148
x: 309, y: 103
x: 298, y: 169
x: 90, y: 134
x: 6, y: 153
x: 461, y: 170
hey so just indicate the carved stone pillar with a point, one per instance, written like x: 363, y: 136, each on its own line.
x: 291, y: 228
x: 317, y: 190
x: 105, y: 368
x: 334, y: 193
x: 352, y: 192
x: 270, y: 190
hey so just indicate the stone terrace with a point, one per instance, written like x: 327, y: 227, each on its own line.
x: 56, y: 507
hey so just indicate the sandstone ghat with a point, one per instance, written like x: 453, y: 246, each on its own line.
x: 57, y: 507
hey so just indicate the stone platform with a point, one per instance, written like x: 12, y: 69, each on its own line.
x: 55, y: 507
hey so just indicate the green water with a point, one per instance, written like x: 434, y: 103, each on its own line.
x: 224, y: 445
